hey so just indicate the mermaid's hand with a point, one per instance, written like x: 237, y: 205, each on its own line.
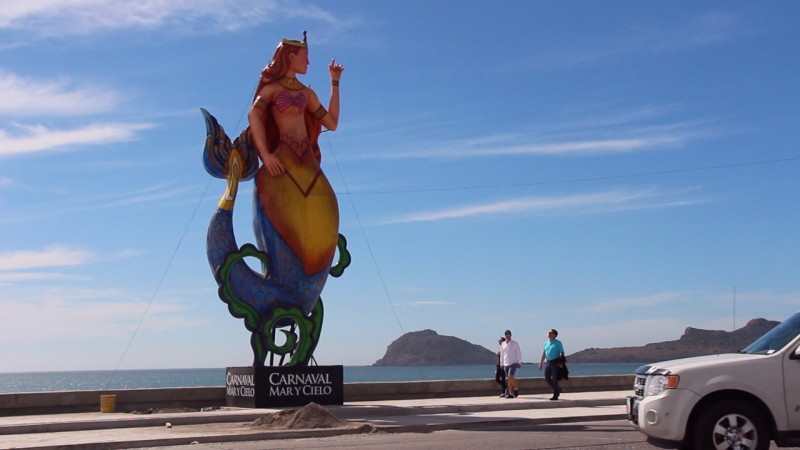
x: 335, y: 70
x: 272, y: 164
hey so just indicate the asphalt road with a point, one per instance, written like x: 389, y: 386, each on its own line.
x: 603, y: 435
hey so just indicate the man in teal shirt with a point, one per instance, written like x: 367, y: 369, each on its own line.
x: 553, y: 354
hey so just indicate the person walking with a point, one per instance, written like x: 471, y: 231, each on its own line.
x: 500, y: 371
x: 553, y: 355
x: 512, y: 360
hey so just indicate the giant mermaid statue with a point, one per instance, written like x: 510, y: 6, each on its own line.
x: 296, y: 216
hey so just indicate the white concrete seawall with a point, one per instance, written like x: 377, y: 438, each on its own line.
x: 200, y: 397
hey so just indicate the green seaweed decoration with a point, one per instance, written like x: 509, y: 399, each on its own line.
x: 236, y: 307
x: 309, y: 329
x: 344, y: 257
x: 305, y: 331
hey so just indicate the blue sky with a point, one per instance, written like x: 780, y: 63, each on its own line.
x: 617, y: 170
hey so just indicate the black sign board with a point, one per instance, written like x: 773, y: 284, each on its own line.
x: 269, y: 387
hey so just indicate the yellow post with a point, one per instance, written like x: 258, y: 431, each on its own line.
x: 108, y: 403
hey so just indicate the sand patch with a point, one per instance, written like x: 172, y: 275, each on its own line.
x: 308, y: 417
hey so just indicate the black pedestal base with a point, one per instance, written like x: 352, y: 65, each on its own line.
x: 269, y: 387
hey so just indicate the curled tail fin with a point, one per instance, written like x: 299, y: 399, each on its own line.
x: 218, y: 147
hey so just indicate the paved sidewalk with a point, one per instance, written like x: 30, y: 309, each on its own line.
x: 123, y: 430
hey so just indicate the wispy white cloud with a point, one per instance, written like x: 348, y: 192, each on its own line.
x: 148, y: 194
x: 592, y: 203
x: 10, y: 278
x: 39, y: 139
x: 591, y: 131
x: 758, y: 297
x: 64, y: 98
x: 92, y: 314
x: 80, y: 202
x: 20, y: 266
x: 24, y: 97
x: 54, y: 256
x: 503, y: 146
x: 88, y: 16
x: 81, y: 17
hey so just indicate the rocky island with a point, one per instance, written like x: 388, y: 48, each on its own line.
x: 427, y: 348
x: 693, y: 342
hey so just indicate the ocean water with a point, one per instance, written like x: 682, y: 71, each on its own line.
x: 163, y: 378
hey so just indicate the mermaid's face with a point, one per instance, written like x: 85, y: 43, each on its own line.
x: 299, y: 61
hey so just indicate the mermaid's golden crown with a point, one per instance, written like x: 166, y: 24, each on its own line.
x: 296, y: 43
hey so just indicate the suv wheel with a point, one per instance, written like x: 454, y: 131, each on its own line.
x: 731, y: 425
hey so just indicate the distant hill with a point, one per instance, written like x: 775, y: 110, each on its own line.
x: 694, y: 342
x: 427, y: 348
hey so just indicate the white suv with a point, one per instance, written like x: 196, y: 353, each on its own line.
x: 737, y: 401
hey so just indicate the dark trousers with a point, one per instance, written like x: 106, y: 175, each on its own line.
x: 500, y: 378
x: 551, y: 377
